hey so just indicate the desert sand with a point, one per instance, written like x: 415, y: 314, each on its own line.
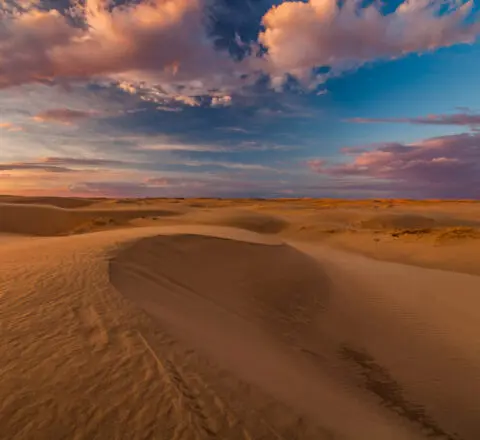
x: 239, y: 319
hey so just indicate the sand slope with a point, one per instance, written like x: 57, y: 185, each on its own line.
x: 203, y: 332
x: 413, y: 333
x: 60, y: 202
x: 239, y: 218
x: 46, y: 220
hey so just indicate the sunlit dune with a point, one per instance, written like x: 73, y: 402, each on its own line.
x: 239, y: 319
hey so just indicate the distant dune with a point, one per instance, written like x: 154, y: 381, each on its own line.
x: 247, y: 319
x: 238, y: 218
x: 60, y: 202
x: 46, y: 220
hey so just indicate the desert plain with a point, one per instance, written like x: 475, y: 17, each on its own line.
x: 192, y: 319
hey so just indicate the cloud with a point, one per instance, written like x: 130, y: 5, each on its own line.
x: 352, y: 151
x: 88, y: 165
x: 234, y: 130
x: 61, y: 164
x: 180, y: 147
x: 189, y: 101
x: 239, y: 147
x: 317, y: 165
x: 62, y: 116
x: 164, y: 39
x: 170, y: 99
x: 229, y: 165
x: 8, y: 126
x: 32, y: 166
x: 447, y: 166
x: 300, y: 36
x: 166, y: 49
x: 151, y: 187
x: 109, y: 188
x: 165, y: 108
x: 75, y: 161
x: 463, y: 119
x: 181, y: 186
x: 221, y: 101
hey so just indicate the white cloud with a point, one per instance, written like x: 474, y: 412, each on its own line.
x: 302, y: 35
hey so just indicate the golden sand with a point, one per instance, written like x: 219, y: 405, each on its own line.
x: 239, y: 319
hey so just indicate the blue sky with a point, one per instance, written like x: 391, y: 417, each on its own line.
x: 227, y: 98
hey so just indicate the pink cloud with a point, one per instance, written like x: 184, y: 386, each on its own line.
x: 62, y: 115
x: 8, y: 126
x: 444, y: 166
x: 146, y: 46
x: 464, y: 119
x: 317, y: 165
x: 166, y: 38
x: 352, y: 151
x: 302, y: 35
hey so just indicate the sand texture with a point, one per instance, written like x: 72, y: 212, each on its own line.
x: 239, y: 319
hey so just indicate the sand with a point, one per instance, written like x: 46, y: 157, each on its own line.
x: 246, y: 319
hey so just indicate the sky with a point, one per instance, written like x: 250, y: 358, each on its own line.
x: 240, y: 98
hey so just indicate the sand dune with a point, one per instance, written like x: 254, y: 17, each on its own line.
x: 59, y: 202
x: 239, y: 218
x: 44, y: 220
x: 120, y: 374
x: 47, y: 220
x: 392, y: 221
x: 413, y: 221
x: 188, y: 331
